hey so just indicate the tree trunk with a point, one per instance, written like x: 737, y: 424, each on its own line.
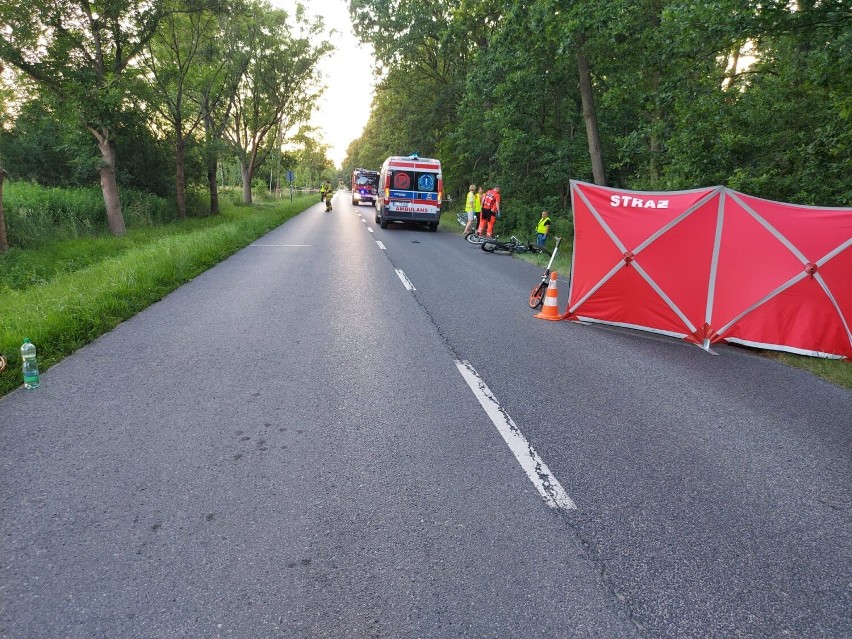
x: 247, y: 176
x: 109, y: 186
x: 4, y: 242
x: 212, y: 169
x: 589, y: 114
x: 180, y: 171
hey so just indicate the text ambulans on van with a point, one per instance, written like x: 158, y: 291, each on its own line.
x: 365, y: 186
x: 411, y: 191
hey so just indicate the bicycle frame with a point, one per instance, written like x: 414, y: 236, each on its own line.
x: 512, y: 246
x: 491, y: 245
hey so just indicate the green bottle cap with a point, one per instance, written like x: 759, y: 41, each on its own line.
x: 26, y: 340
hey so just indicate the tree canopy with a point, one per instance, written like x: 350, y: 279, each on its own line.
x: 132, y: 91
x: 683, y: 93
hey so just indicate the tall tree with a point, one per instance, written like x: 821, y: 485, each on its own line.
x: 217, y: 98
x: 424, y: 51
x: 278, y: 90
x: 80, y: 52
x: 311, y: 158
x: 590, y: 115
x: 182, y: 76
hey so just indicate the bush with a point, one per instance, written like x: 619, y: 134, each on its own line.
x: 38, y: 214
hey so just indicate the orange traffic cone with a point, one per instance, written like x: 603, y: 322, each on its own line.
x: 551, y: 303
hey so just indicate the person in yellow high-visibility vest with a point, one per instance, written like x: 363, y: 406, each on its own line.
x: 469, y: 208
x: 542, y: 229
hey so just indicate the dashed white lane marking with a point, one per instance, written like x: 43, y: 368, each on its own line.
x: 363, y: 220
x: 405, y: 281
x: 548, y: 486
x: 370, y: 229
x: 381, y: 246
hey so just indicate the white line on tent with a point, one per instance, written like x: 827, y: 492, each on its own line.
x: 782, y: 347
x: 835, y: 252
x: 763, y: 301
x: 821, y: 281
x: 603, y: 224
x: 663, y: 295
x: 637, y: 327
x: 714, y: 266
x: 614, y: 239
x: 772, y: 230
x: 595, y: 288
x: 795, y: 279
x: 680, y: 218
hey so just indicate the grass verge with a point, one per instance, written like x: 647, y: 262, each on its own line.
x: 836, y: 371
x: 67, y: 293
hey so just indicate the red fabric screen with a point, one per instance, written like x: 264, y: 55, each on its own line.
x: 713, y: 264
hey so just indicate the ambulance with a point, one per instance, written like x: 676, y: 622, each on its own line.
x: 411, y: 190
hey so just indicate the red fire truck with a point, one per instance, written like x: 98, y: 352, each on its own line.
x: 365, y: 186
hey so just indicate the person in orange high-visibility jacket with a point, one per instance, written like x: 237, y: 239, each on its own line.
x: 490, y: 211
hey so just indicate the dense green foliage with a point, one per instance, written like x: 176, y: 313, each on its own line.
x: 686, y: 94
x: 37, y: 215
x: 151, y: 95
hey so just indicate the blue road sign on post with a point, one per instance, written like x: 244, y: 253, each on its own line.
x: 290, y: 177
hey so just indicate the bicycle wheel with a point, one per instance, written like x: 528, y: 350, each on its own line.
x: 537, y: 295
x: 473, y: 238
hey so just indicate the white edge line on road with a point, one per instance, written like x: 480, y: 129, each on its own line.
x: 548, y: 486
x: 370, y: 229
x: 381, y: 246
x: 405, y: 281
x: 280, y: 244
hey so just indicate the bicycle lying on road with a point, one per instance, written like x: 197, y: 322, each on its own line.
x: 514, y: 245
x: 537, y: 295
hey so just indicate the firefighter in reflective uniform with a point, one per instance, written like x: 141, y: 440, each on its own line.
x: 325, y: 194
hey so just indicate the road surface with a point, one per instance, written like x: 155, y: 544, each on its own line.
x: 348, y: 431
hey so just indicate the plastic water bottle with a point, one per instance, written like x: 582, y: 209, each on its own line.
x: 29, y: 364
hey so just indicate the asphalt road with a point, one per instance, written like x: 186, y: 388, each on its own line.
x: 286, y: 447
